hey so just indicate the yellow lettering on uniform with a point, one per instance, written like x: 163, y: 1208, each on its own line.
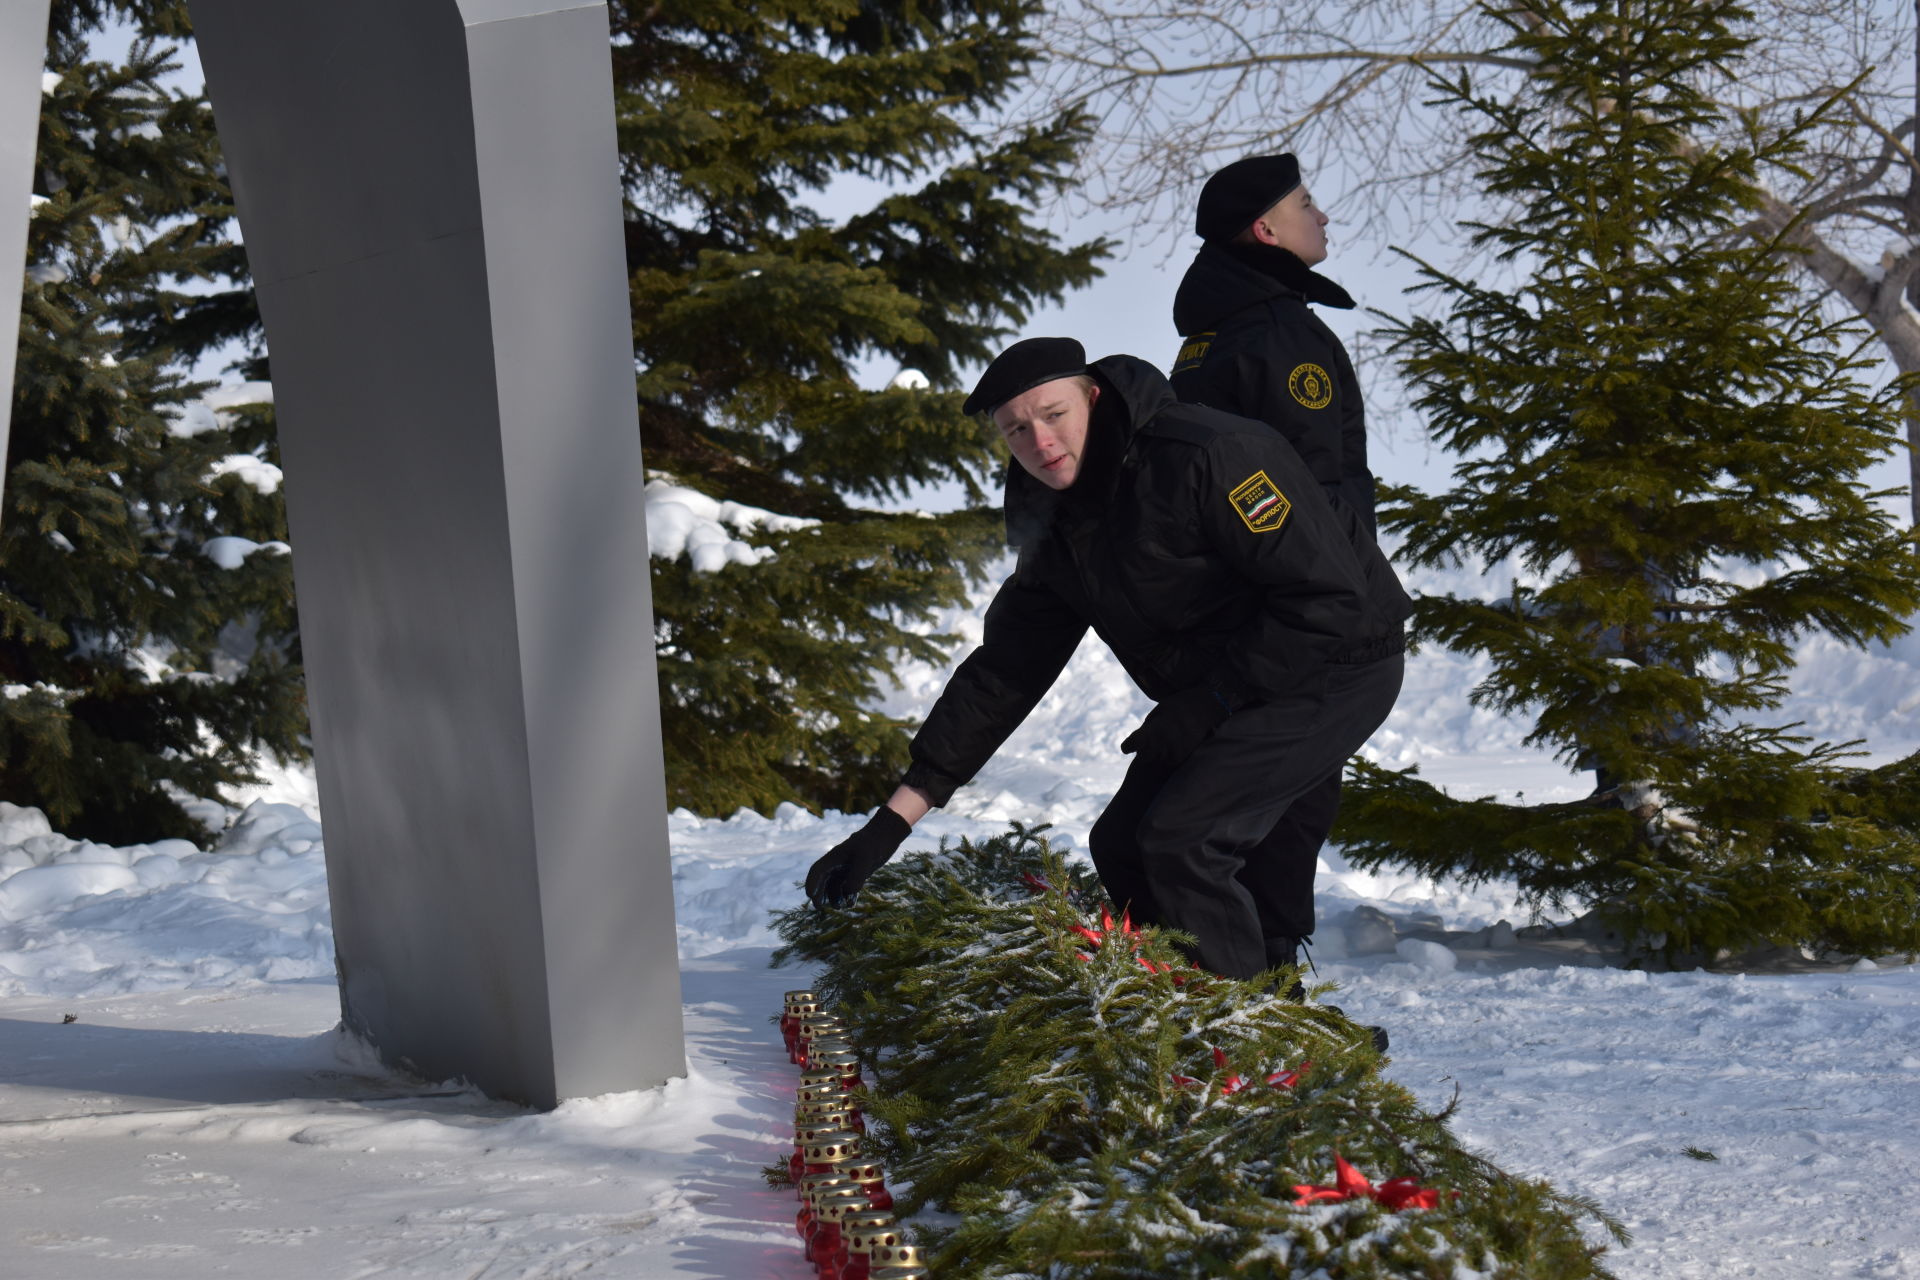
x: 1192, y: 351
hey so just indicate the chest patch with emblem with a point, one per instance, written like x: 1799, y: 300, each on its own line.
x: 1311, y: 386
x: 1260, y: 503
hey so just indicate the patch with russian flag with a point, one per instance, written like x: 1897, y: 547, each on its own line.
x: 1260, y: 503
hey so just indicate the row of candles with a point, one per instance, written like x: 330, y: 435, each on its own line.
x: 844, y: 1215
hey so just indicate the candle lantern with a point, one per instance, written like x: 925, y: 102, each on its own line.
x: 817, y: 1027
x: 858, y: 1226
x: 847, y: 1063
x: 818, y: 1195
x: 859, y: 1234
x: 818, y: 1127
x: 800, y: 1005
x: 840, y: 1117
x: 829, y: 1152
x: 898, y: 1255
x: 821, y: 1077
x: 810, y: 1053
x: 825, y: 1152
x: 823, y: 1181
x: 872, y: 1180
x: 823, y: 1239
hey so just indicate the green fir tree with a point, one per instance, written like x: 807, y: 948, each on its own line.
x: 1081, y: 1104
x: 1667, y: 441
x: 742, y: 127
x: 138, y: 672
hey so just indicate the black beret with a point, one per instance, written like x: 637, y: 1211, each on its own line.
x: 1243, y: 191
x: 1023, y: 366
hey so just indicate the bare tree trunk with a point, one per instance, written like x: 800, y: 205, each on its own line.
x: 1881, y: 303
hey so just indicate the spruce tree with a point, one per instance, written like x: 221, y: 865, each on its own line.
x: 754, y: 310
x: 1080, y: 1103
x: 1668, y: 443
x: 138, y: 671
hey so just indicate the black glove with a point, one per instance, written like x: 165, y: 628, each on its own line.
x: 836, y: 878
x: 1179, y: 724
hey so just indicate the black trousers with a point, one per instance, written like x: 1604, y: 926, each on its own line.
x: 1225, y: 843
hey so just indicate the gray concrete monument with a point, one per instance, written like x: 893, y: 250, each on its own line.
x: 429, y: 197
x: 23, y: 52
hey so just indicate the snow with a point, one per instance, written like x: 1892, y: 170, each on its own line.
x: 230, y: 552
x: 683, y: 521
x: 910, y: 380
x: 261, y: 474
x: 201, y: 1113
x: 216, y: 411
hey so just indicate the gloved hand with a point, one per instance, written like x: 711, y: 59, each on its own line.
x: 1179, y: 724
x: 836, y: 878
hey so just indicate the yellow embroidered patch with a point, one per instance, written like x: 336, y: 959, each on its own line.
x: 1260, y: 503
x: 1192, y: 351
x: 1311, y: 386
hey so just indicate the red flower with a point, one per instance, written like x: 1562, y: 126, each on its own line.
x: 1107, y: 927
x: 1234, y: 1083
x: 1350, y: 1184
x: 1288, y: 1079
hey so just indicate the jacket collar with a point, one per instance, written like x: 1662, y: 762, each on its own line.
x: 1227, y: 277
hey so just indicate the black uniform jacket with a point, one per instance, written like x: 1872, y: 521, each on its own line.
x: 1251, y: 346
x: 1196, y: 544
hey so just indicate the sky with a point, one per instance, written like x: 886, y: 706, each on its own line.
x: 1130, y: 308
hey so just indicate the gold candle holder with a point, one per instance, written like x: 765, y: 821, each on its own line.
x: 834, y: 1206
x: 804, y: 1135
x: 822, y: 1076
x: 865, y: 1232
x: 835, y: 1095
x: 832, y: 1148
x: 911, y: 1271
x: 812, y: 1183
x: 899, y: 1255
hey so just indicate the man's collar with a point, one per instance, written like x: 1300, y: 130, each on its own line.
x: 1287, y: 268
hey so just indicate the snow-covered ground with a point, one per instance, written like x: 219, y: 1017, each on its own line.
x: 174, y: 1100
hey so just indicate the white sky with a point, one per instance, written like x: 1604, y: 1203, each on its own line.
x: 1130, y: 309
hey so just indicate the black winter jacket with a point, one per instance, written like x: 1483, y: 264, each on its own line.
x: 1251, y: 346
x: 1196, y: 544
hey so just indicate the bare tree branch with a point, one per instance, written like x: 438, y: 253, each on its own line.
x: 1180, y: 89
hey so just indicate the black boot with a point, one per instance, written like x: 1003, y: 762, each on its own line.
x: 1283, y: 953
x: 1286, y: 951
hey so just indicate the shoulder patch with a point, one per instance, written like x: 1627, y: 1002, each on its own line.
x: 1311, y: 386
x: 1260, y: 503
x: 1192, y: 351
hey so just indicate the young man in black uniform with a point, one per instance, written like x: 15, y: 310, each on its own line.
x: 1250, y: 345
x: 1263, y: 622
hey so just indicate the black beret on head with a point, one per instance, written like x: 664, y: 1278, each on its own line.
x: 1243, y: 191
x: 1023, y: 366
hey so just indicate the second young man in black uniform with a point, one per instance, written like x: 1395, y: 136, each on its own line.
x: 1251, y: 345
